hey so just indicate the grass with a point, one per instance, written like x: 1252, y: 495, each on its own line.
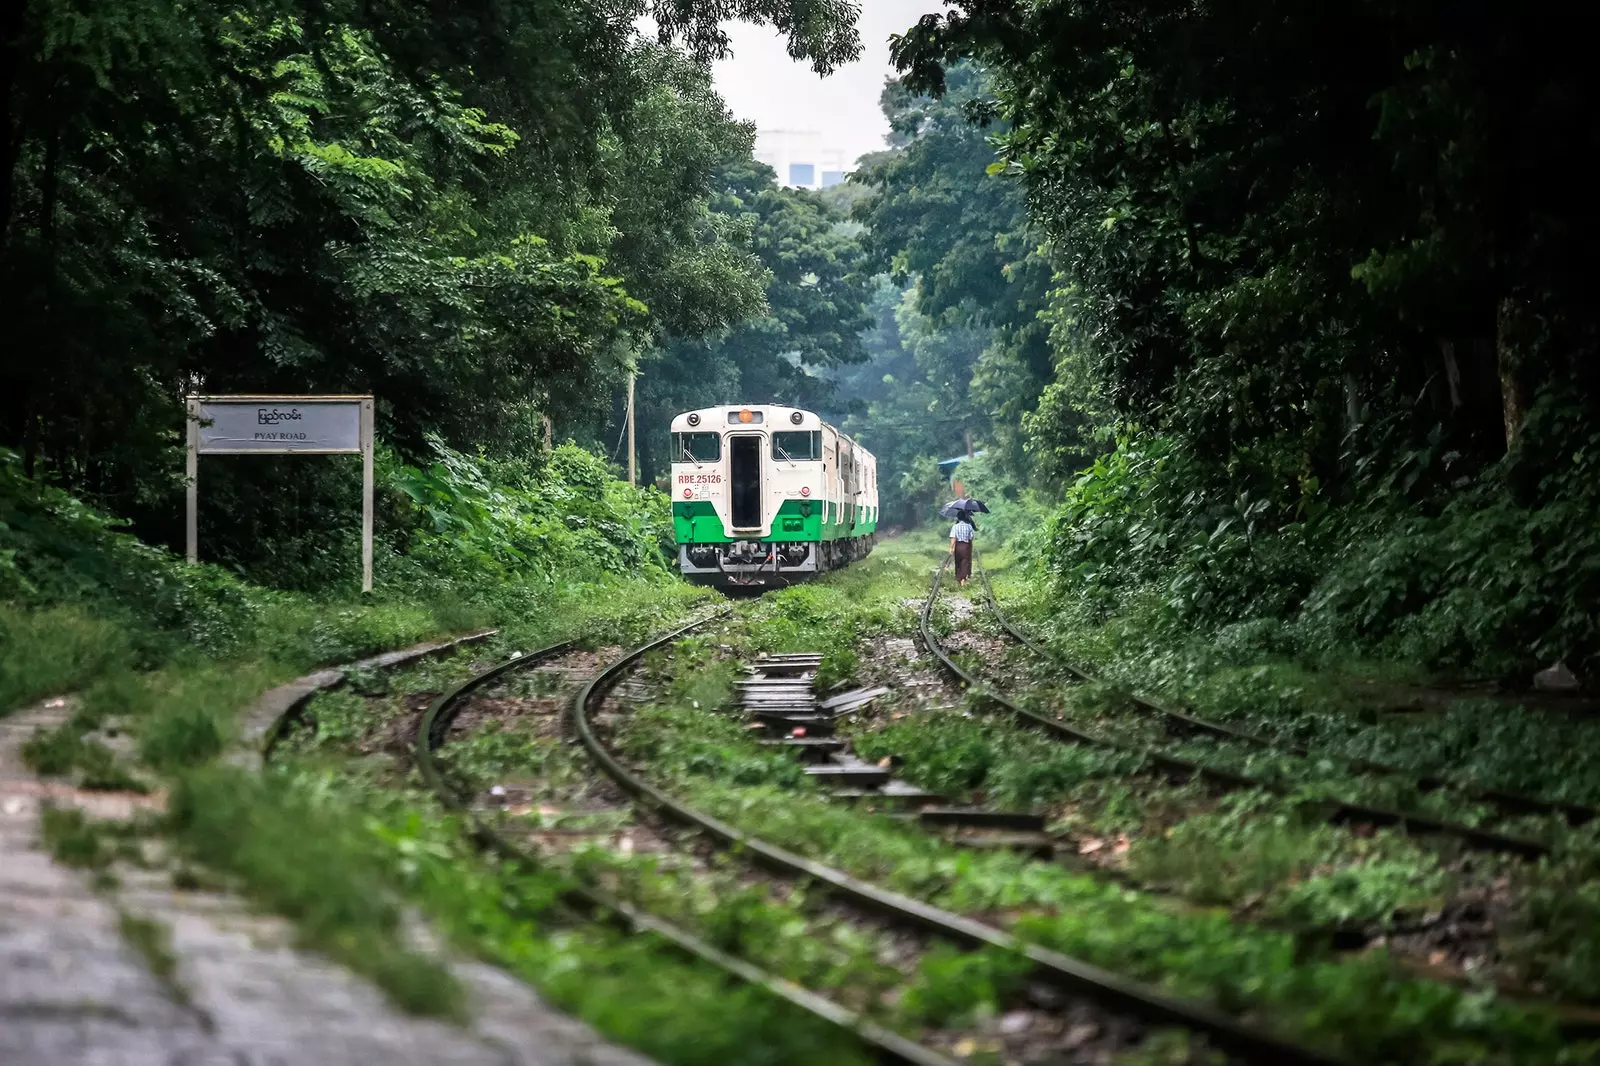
x: 672, y: 1008
x: 74, y: 840
x: 789, y: 934
x: 311, y: 863
x: 152, y: 940
x: 1363, y: 1007
x: 52, y: 650
x: 1548, y: 941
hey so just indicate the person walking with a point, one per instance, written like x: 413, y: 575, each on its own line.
x: 961, y: 546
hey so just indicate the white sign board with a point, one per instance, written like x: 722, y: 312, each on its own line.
x: 229, y: 427
x: 277, y: 425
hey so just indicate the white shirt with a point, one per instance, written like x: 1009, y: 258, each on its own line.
x: 962, y: 532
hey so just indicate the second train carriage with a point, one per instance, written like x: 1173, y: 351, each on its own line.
x: 766, y: 495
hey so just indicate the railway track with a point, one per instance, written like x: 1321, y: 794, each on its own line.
x: 1242, y: 1042
x: 886, y: 1046
x: 778, y: 693
x: 1184, y: 770
x: 1576, y: 1020
x: 1511, y: 803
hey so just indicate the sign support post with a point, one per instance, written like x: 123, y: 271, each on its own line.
x: 191, y: 524
x: 280, y: 425
x: 632, y: 454
x: 366, y: 494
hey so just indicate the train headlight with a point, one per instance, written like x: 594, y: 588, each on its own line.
x: 805, y: 490
x: 694, y: 420
x: 797, y: 417
x: 746, y: 416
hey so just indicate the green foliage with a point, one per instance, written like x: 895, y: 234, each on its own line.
x: 185, y: 736
x: 48, y: 650
x: 1359, y: 1006
x: 307, y: 861
x: 1291, y: 866
x: 1557, y: 941
x: 482, y: 541
x: 568, y: 517
x: 72, y: 839
x: 957, y: 987
x: 961, y: 241
x: 1311, y: 302
x: 65, y: 751
x: 1483, y: 582
x: 477, y: 215
x: 804, y: 323
x: 674, y: 1010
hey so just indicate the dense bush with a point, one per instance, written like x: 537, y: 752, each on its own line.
x: 1497, y: 573
x: 468, y: 541
x: 568, y: 515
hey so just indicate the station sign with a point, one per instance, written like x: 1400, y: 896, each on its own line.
x: 281, y: 425
x: 231, y: 426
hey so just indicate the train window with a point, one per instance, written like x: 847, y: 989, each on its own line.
x: 696, y: 447
x: 806, y: 446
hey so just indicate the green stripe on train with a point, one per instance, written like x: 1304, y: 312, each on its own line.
x: 696, y: 522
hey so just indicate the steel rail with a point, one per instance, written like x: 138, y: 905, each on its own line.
x: 1091, y: 982
x: 1575, y: 1020
x: 1187, y: 769
x: 887, y: 1046
x: 1511, y: 802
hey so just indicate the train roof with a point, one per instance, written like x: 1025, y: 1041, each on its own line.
x: 774, y: 416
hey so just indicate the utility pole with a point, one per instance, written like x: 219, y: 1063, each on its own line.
x: 969, y: 443
x: 633, y: 477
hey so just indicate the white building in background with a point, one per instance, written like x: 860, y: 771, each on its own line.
x: 801, y: 158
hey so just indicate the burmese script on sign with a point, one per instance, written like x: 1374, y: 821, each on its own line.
x: 280, y: 427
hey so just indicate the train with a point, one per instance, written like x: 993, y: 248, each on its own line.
x: 764, y: 494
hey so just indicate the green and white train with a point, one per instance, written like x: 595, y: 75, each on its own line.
x: 768, y: 495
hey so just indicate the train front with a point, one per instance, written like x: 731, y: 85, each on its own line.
x: 748, y: 494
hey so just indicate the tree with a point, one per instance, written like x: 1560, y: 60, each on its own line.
x: 1279, y: 222
x: 938, y: 216
x: 479, y: 212
x: 815, y: 309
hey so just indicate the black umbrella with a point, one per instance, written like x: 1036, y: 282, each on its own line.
x: 962, y: 506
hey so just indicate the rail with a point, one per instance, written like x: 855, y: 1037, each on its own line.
x: 1111, y: 990
x: 1342, y: 812
x: 887, y: 1046
x: 1574, y: 813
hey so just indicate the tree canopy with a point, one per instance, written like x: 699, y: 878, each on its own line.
x: 481, y: 213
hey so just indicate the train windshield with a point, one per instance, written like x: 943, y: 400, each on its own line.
x: 696, y: 447
x: 799, y: 446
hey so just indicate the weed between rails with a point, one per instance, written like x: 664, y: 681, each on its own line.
x: 1364, y: 1006
x: 632, y: 990
x: 1544, y: 937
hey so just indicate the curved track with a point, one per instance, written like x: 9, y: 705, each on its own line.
x: 1510, y: 802
x: 887, y: 1046
x: 1188, y: 770
x: 1244, y: 1042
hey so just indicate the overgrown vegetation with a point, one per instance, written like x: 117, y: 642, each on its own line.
x: 1320, y: 326
x: 1362, y: 1006
x: 1274, y: 370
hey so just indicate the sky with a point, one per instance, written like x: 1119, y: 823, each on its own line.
x: 762, y: 84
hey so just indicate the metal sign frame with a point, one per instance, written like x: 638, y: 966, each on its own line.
x: 196, y: 448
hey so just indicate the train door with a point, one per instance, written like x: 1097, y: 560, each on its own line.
x: 744, y: 473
